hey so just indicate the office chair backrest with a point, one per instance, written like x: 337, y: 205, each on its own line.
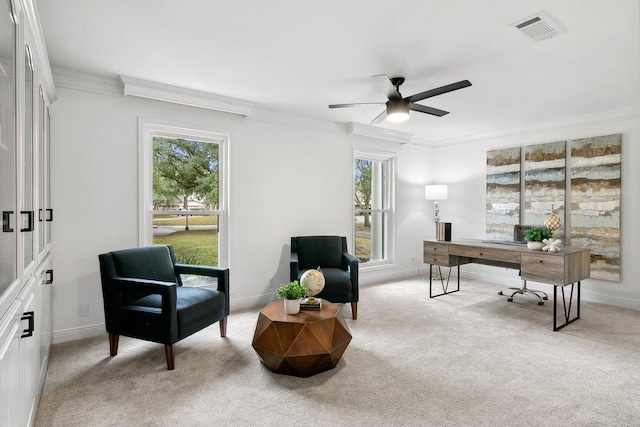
x: 519, y: 230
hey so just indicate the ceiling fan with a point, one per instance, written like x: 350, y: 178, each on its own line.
x: 397, y: 107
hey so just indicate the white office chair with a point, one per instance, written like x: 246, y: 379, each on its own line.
x: 518, y: 236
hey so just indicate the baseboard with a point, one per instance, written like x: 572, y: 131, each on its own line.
x: 380, y: 275
x: 251, y: 302
x: 78, y: 333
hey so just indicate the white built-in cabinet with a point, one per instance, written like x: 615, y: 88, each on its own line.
x: 26, y: 273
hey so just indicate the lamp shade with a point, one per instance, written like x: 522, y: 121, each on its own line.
x: 435, y: 192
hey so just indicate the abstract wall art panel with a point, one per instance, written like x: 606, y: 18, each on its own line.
x: 503, y: 192
x: 545, y: 183
x: 595, y: 202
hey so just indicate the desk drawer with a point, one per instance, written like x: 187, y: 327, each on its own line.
x: 436, y: 248
x: 442, y: 260
x: 543, y: 268
x: 506, y: 256
x: 436, y: 253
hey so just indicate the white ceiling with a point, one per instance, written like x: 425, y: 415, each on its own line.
x: 298, y: 56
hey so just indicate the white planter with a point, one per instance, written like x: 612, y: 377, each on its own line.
x: 292, y: 306
x: 535, y: 246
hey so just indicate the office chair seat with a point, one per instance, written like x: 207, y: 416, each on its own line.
x: 518, y: 236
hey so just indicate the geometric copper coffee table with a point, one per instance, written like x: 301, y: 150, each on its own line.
x: 302, y: 344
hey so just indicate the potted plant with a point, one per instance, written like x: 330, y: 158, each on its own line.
x: 535, y: 236
x: 292, y: 293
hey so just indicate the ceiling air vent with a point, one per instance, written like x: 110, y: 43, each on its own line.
x: 538, y: 27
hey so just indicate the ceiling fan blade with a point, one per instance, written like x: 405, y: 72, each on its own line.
x: 358, y: 104
x: 427, y: 110
x: 438, y: 91
x: 379, y: 118
x: 385, y: 83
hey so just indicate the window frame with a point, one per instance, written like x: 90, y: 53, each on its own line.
x: 389, y: 159
x: 148, y: 129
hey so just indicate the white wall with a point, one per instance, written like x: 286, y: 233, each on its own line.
x: 285, y: 180
x: 463, y: 166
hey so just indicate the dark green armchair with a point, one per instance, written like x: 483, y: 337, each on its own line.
x: 339, y: 267
x: 144, y: 297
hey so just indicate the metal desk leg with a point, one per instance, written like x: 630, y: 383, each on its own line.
x: 566, y: 305
x: 445, y: 286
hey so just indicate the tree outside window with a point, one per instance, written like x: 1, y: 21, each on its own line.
x: 371, y: 208
x: 186, y: 198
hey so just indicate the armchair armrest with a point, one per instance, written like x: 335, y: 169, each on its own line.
x: 352, y: 262
x: 118, y: 286
x: 222, y: 274
x: 200, y: 270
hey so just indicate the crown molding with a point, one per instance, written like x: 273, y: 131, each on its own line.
x: 293, y: 120
x: 179, y: 95
x: 377, y: 132
x: 631, y: 113
x: 114, y: 86
x: 87, y: 82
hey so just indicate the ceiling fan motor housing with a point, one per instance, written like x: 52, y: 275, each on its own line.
x: 397, y: 81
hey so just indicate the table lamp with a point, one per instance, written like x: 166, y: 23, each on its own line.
x: 435, y: 193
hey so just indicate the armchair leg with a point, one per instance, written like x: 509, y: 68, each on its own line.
x: 354, y: 310
x: 171, y: 359
x: 223, y: 327
x: 113, y: 344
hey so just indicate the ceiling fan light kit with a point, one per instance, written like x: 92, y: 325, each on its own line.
x: 397, y: 110
x: 397, y: 107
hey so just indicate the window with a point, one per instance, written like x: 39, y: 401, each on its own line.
x: 184, y: 188
x: 373, y: 207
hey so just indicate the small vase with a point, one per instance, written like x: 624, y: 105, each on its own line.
x: 535, y: 246
x: 292, y: 306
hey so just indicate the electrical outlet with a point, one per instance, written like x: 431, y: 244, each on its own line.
x: 85, y: 308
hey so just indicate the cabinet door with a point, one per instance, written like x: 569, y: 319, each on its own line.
x: 48, y: 208
x: 41, y: 176
x: 8, y: 204
x: 29, y: 347
x: 44, y: 317
x: 10, y: 403
x: 27, y: 202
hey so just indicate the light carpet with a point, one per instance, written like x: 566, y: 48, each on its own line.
x: 466, y: 359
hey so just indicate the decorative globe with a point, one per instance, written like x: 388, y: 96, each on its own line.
x: 313, y: 280
x: 553, y: 222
